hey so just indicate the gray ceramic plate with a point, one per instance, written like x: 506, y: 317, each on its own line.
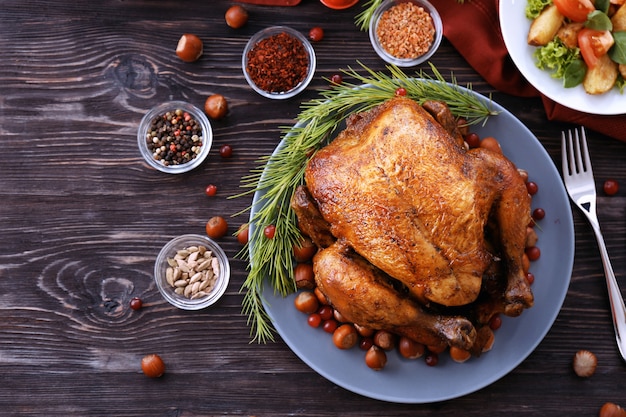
x: 404, y: 381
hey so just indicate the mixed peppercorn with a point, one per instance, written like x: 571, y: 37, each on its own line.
x: 174, y: 138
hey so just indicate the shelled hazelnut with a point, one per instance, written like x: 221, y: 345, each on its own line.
x: 585, y: 363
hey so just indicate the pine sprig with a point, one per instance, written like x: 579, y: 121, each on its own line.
x: 362, y: 19
x: 276, y: 177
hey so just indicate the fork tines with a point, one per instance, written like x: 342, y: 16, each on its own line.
x: 576, y: 159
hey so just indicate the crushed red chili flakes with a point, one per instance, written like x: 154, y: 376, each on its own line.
x: 278, y: 63
x: 406, y: 31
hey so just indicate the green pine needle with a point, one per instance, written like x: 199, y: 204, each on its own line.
x: 362, y: 19
x: 277, y: 176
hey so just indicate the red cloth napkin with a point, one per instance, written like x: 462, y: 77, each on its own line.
x: 473, y: 28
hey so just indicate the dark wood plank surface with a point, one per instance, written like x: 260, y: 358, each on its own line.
x: 82, y: 219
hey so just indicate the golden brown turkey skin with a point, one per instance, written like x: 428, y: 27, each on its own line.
x: 401, y: 191
x: 365, y: 296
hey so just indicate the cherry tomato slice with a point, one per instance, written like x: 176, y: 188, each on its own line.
x: 593, y: 44
x: 575, y: 10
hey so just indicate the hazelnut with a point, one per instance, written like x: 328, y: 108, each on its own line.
x: 584, y: 363
x: 236, y: 16
x: 384, y: 339
x: 612, y: 410
x: 345, y: 337
x: 375, y: 358
x: 459, y: 355
x: 189, y: 47
x: 216, y: 106
x: 152, y: 365
x: 304, y: 276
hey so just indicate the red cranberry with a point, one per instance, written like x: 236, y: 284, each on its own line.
x: 136, y: 303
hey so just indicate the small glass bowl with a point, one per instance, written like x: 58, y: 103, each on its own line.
x: 196, y: 113
x: 167, y: 291
x: 400, y: 62
x: 266, y: 33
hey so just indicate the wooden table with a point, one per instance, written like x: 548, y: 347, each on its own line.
x: 82, y: 218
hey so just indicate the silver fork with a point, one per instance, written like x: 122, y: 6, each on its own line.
x: 581, y: 188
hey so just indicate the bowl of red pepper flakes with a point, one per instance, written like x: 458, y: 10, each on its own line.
x: 405, y: 33
x: 278, y: 62
x: 174, y: 137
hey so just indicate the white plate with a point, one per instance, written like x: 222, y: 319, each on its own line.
x: 515, y: 27
x: 404, y: 381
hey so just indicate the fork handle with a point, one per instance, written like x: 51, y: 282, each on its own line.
x: 618, y: 310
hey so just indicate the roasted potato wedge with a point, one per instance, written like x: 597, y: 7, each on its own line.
x: 601, y: 78
x: 622, y: 70
x: 619, y: 19
x: 569, y: 34
x: 545, y: 27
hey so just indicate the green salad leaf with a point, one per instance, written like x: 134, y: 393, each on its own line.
x: 602, y: 5
x: 618, y: 50
x: 535, y: 7
x: 598, y: 20
x: 555, y: 57
x: 574, y: 73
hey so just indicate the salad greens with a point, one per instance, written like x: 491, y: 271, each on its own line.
x: 535, y: 7
x: 565, y: 62
x: 618, y: 51
x: 598, y: 20
x: 556, y: 57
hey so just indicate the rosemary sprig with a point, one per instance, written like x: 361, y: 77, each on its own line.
x: 277, y: 175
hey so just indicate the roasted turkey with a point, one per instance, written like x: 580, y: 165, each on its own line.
x: 418, y: 234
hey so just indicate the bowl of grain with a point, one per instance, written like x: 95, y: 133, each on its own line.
x: 174, y: 137
x: 192, y: 272
x: 278, y: 62
x: 405, y: 33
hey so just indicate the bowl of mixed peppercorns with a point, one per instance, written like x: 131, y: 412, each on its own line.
x: 405, y: 32
x: 278, y: 62
x: 174, y: 137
